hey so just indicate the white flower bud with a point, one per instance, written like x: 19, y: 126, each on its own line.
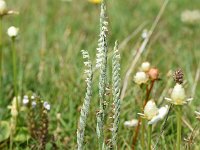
x: 178, y: 94
x: 145, y: 66
x: 3, y: 7
x: 141, y: 77
x: 12, y: 31
x: 150, y: 110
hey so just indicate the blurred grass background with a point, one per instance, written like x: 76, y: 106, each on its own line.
x: 52, y: 33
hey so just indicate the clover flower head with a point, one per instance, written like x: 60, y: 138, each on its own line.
x: 46, y: 105
x: 150, y: 109
x: 25, y: 100
x: 12, y: 31
x: 131, y: 123
x: 153, y: 113
x: 141, y: 77
x: 178, y: 96
x: 3, y: 7
x: 145, y: 66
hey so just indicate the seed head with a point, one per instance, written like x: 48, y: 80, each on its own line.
x: 178, y: 76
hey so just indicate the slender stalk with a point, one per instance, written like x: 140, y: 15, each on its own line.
x: 149, y: 136
x: 178, y: 117
x: 15, y: 72
x: 142, y: 136
x: 1, y: 55
x: 148, y: 91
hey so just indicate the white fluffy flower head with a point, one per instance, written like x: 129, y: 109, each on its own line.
x: 3, y: 7
x: 153, y: 113
x: 150, y: 110
x: 178, y: 96
x: 12, y: 31
x: 145, y: 66
x: 141, y: 77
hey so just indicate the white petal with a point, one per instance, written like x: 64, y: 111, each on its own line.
x: 154, y: 120
x: 131, y: 123
x: 162, y: 112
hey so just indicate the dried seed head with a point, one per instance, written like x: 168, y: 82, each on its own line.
x: 178, y: 76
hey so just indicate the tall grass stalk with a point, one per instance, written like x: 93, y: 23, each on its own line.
x: 178, y: 117
x: 1, y: 55
x: 101, y: 63
x: 14, y: 62
x: 116, y: 93
x: 86, y: 103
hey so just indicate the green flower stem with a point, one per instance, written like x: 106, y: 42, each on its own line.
x: 15, y: 72
x: 142, y: 136
x: 149, y: 136
x: 1, y: 55
x: 178, y: 117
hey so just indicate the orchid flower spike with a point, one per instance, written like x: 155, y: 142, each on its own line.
x: 178, y: 96
x: 154, y: 114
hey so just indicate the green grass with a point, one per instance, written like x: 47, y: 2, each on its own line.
x: 52, y: 34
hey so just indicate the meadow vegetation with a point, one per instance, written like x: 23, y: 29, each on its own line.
x: 50, y: 100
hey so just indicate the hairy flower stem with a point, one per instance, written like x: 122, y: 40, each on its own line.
x: 15, y: 72
x: 1, y: 56
x: 148, y: 92
x: 178, y: 117
x: 149, y: 136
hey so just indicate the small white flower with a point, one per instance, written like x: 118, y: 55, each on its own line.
x: 145, y: 66
x: 144, y: 33
x: 32, y: 97
x: 3, y: 7
x: 162, y: 112
x: 141, y: 77
x: 152, y: 113
x: 150, y: 109
x: 178, y: 96
x: 12, y: 31
x: 47, y: 106
x: 25, y: 100
x: 131, y: 123
x: 33, y: 104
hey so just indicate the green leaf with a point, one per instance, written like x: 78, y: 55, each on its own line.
x: 5, y: 130
x: 21, y: 135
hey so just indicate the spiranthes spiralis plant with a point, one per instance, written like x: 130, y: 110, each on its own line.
x: 4, y: 11
x: 37, y: 119
x: 101, y: 63
x: 86, y: 103
x: 178, y: 99
x: 116, y: 94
